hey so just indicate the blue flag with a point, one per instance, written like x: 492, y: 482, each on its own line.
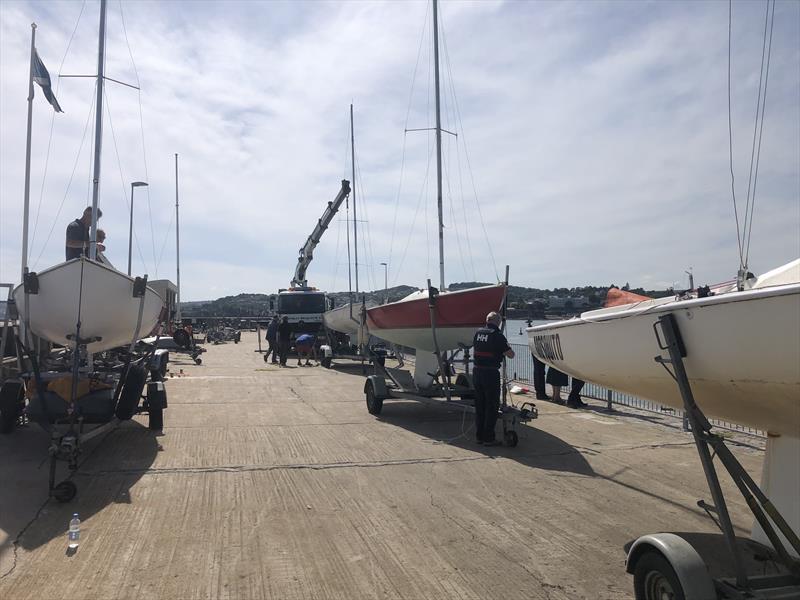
x: 42, y: 77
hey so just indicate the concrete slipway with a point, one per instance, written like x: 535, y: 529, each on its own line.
x: 277, y: 483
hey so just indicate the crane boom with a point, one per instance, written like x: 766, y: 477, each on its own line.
x: 307, y: 251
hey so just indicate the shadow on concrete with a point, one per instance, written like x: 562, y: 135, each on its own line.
x: 109, y: 465
x: 451, y: 425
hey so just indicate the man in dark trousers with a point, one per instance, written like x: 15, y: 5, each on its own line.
x: 77, y: 242
x: 489, y: 348
x: 284, y: 339
x: 538, y: 379
x: 272, y: 340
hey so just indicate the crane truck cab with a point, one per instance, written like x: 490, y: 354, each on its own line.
x: 304, y: 307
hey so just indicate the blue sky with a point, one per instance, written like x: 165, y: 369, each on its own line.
x: 594, y: 136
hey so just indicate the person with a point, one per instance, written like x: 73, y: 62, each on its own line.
x: 489, y: 348
x: 305, y: 347
x: 272, y: 340
x: 101, y: 248
x: 284, y: 339
x: 574, y: 398
x: 538, y: 379
x: 77, y: 238
x: 557, y: 380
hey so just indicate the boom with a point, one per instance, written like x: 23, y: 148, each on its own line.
x: 307, y: 251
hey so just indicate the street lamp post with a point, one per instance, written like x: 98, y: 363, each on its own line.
x: 386, y: 281
x: 134, y: 184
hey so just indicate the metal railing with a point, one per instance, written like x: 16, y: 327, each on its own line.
x: 520, y: 369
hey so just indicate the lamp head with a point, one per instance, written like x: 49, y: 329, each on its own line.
x: 138, y: 184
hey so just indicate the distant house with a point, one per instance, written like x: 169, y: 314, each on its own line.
x: 567, y: 302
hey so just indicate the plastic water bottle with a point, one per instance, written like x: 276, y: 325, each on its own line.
x: 74, y: 532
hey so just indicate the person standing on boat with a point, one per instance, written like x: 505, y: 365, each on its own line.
x: 77, y: 242
x: 489, y: 348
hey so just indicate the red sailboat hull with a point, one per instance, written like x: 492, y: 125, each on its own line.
x: 458, y: 314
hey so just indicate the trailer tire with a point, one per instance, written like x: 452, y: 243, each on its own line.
x: 64, y: 491
x: 12, y: 398
x: 131, y: 392
x: 511, y: 439
x: 654, y: 578
x: 374, y: 403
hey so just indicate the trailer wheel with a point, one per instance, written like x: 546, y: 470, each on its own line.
x: 655, y: 579
x: 64, y: 491
x: 511, y: 438
x: 326, y: 362
x: 131, y: 392
x: 374, y: 404
x: 12, y: 398
x: 198, y: 361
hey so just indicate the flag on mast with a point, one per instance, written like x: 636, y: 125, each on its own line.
x: 42, y: 77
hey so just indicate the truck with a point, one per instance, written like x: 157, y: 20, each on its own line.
x: 302, y: 304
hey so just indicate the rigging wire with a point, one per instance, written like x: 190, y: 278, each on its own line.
x: 141, y: 129
x: 466, y: 153
x: 71, y: 177
x: 730, y: 139
x: 121, y: 176
x: 367, y: 235
x: 752, y: 198
x: 52, y: 123
x: 405, y: 136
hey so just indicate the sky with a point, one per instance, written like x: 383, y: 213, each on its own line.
x: 591, y: 140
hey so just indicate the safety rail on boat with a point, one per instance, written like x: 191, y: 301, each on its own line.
x: 520, y: 369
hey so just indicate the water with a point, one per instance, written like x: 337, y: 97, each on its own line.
x: 74, y: 532
x: 515, y: 330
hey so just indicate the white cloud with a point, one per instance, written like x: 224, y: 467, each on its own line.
x: 597, y: 136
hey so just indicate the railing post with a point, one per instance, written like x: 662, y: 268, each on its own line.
x: 608, y: 400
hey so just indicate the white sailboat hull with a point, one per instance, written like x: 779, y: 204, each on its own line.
x: 743, y: 353
x: 342, y: 320
x: 101, y: 297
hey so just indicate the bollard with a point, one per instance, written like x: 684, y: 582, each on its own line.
x: 258, y: 335
x: 608, y: 401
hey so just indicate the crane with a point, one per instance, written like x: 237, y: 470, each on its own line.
x: 307, y: 251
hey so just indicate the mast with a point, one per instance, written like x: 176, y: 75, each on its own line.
x: 355, y: 222
x: 438, y: 143
x: 98, y: 129
x: 177, y: 243
x: 26, y: 205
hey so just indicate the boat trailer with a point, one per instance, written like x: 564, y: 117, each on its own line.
x: 666, y: 565
x: 114, y: 391
x: 398, y: 384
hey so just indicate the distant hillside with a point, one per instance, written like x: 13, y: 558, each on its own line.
x: 523, y: 302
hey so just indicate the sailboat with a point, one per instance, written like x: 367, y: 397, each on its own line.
x: 349, y: 318
x: 82, y: 301
x: 432, y: 319
x: 743, y: 350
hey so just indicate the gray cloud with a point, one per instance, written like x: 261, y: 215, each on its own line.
x: 597, y: 135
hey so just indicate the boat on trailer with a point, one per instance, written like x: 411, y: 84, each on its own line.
x: 455, y: 314
x: 744, y: 364
x: 734, y: 354
x: 105, y: 301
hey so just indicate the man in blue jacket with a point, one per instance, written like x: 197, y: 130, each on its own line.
x: 489, y: 348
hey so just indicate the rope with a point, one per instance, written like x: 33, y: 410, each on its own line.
x: 52, y: 123
x: 752, y: 198
x: 69, y: 183
x: 405, y: 137
x: 141, y: 129
x: 121, y: 176
x: 466, y: 152
x: 730, y: 139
